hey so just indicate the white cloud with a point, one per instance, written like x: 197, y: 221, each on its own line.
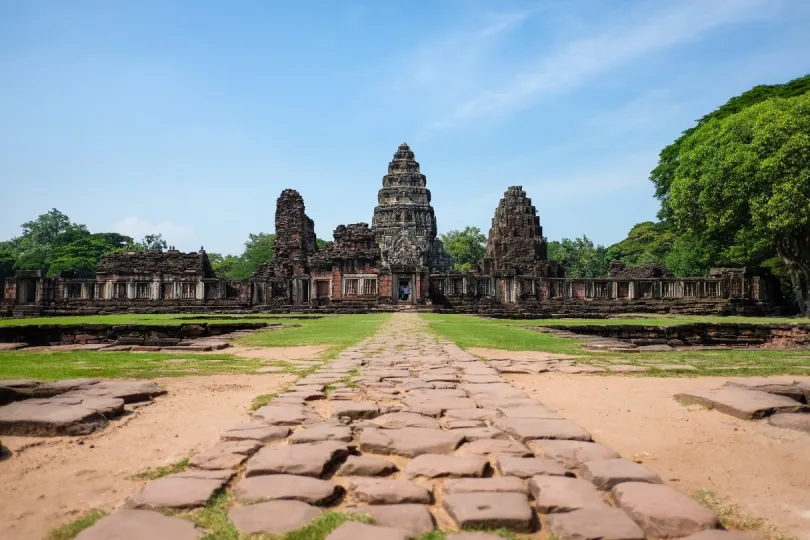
x: 137, y: 228
x: 572, y: 63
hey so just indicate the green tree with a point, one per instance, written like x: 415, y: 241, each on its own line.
x: 580, y: 257
x: 82, y: 255
x: 258, y: 250
x: 43, y: 237
x: 664, y: 173
x: 149, y: 242
x: 467, y: 247
x: 223, y: 265
x: 647, y: 242
x: 743, y: 182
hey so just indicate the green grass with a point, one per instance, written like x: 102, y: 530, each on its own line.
x: 261, y: 400
x: 471, y: 332
x: 334, y: 332
x: 70, y: 530
x: 663, y: 320
x: 734, y: 518
x: 142, y: 318
x: 160, y: 472
x: 51, y: 366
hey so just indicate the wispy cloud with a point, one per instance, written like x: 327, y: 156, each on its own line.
x: 138, y: 228
x: 572, y: 63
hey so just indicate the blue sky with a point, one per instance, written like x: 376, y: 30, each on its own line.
x: 189, y: 118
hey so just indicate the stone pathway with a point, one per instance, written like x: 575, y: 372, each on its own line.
x: 419, y: 435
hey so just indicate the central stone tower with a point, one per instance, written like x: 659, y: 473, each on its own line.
x: 405, y: 227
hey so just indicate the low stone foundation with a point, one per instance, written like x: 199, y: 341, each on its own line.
x: 129, y: 334
x: 796, y: 335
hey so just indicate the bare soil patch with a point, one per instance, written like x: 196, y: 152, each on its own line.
x: 303, y: 352
x: 762, y: 468
x: 49, y: 481
x: 493, y: 354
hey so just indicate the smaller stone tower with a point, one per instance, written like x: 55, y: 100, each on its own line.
x: 295, y: 235
x: 515, y: 241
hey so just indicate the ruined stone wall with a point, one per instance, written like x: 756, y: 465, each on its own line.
x: 617, y: 269
x: 155, y: 262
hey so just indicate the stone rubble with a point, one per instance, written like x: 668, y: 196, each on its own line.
x: 410, y: 434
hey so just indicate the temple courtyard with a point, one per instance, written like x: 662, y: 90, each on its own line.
x: 400, y: 425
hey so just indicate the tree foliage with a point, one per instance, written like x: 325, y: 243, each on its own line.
x: 743, y: 182
x: 664, y: 173
x: 258, y: 250
x: 467, y: 247
x: 580, y: 257
x: 149, y: 242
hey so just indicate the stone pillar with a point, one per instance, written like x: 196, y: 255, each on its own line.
x: 200, y: 295
x: 130, y: 290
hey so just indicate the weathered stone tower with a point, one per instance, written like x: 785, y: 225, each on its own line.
x: 295, y: 235
x: 515, y: 241
x: 404, y: 221
x: 405, y: 227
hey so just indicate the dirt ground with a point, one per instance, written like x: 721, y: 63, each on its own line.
x: 763, y: 469
x: 50, y: 481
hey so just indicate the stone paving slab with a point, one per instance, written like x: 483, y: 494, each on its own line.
x: 141, y: 525
x: 794, y: 421
x: 287, y: 486
x: 256, y: 431
x: 306, y: 459
x: 509, y: 484
x: 58, y: 415
x: 527, y: 429
x: 353, y: 530
x: 409, y: 442
x: 382, y: 491
x: 572, y: 454
x: 526, y: 467
x: 594, y: 524
x: 663, y: 512
x: 554, y: 494
x: 225, y: 455
x: 412, y: 518
x: 490, y: 510
x: 190, y: 489
x: 273, y: 517
x: 743, y: 403
x: 607, y: 473
x: 439, y: 466
x: 366, y: 466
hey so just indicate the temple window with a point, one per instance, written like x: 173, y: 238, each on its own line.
x: 188, y: 290
x: 601, y: 289
x: 351, y: 286
x: 231, y: 292
x: 322, y: 288
x: 438, y: 286
x: 669, y: 289
x: 142, y: 290
x: 578, y: 289
x: 736, y: 288
x: 712, y: 289
x: 756, y: 294
x: 120, y: 291
x: 645, y: 290
x: 623, y: 290
x: 74, y: 290
x: 369, y: 287
x: 690, y: 289
x: 458, y: 286
x: 167, y: 291
x: 555, y: 289
x: 483, y: 287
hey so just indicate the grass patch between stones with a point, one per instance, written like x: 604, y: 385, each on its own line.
x: 734, y: 518
x: 261, y: 400
x: 160, y: 472
x: 70, y: 530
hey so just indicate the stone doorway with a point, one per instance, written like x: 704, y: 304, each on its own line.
x: 404, y: 290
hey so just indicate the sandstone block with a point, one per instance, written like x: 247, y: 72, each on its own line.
x: 555, y: 494
x: 353, y: 530
x: 496, y: 484
x: 606, y: 473
x: 141, y: 525
x: 189, y: 489
x: 287, y: 486
x: 366, y: 466
x: 306, y: 459
x: 378, y: 491
x: 490, y: 510
x: 438, y: 465
x: 743, y: 403
x: 572, y: 454
x: 256, y: 431
x: 662, y: 512
x: 526, y: 429
x: 273, y: 517
x: 409, y: 442
x: 594, y: 524
x: 413, y: 518
x: 321, y: 432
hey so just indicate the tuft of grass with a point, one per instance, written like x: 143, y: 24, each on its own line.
x: 213, y: 517
x: 319, y: 528
x: 68, y: 531
x: 503, y: 533
x: 261, y: 401
x: 734, y: 518
x: 160, y: 472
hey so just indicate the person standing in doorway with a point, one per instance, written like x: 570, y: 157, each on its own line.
x: 406, y: 292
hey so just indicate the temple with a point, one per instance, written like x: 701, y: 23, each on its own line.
x: 396, y: 263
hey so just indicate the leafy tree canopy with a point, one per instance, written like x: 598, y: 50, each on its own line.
x: 743, y: 182
x: 663, y: 174
x: 580, y: 257
x: 148, y: 243
x: 467, y: 247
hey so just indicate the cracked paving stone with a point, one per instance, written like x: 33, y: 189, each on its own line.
x: 399, y: 420
x: 472, y: 414
x: 438, y: 465
x: 189, y: 489
x: 141, y: 525
x: 479, y: 433
x: 490, y: 510
x: 379, y: 491
x: 409, y: 442
x: 321, y: 432
x: 607, y: 473
x: 255, y: 431
x: 353, y: 530
x: 594, y: 524
x: 485, y: 447
x: 555, y: 494
x: 661, y: 511
x: 355, y: 409
x: 526, y: 467
x: 497, y: 484
x: 414, y: 518
x: 285, y: 414
x: 287, y: 486
x: 273, y: 517
x: 306, y: 459
x: 572, y: 454
x: 225, y: 455
x: 366, y: 466
x: 526, y: 429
